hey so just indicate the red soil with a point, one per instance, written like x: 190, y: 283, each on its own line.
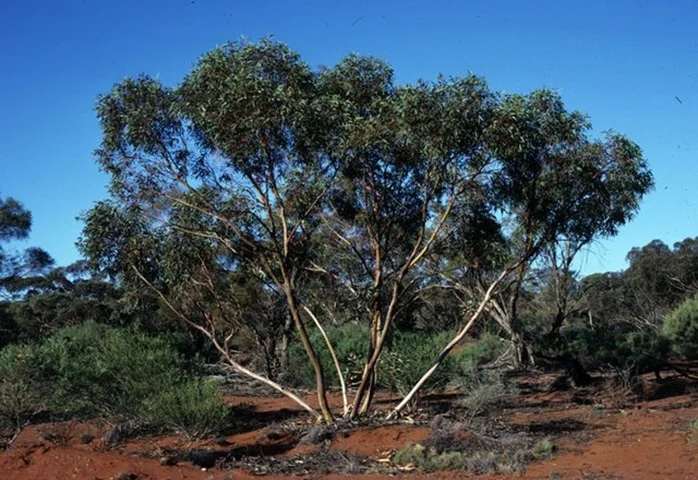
x: 651, y: 439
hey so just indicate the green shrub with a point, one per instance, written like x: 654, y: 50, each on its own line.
x: 487, y: 349
x: 129, y: 368
x: 544, y: 448
x: 428, y: 459
x: 194, y: 408
x: 18, y: 404
x: 635, y: 352
x: 16, y: 363
x: 406, y: 357
x: 643, y: 352
x: 93, y: 371
x: 350, y: 345
x: 409, y: 355
x: 681, y: 328
x: 22, y: 394
x: 512, y: 457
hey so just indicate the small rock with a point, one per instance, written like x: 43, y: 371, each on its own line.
x: 87, y: 438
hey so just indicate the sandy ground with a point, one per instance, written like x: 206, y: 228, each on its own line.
x: 597, y: 436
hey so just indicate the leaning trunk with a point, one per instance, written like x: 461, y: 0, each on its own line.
x: 451, y: 345
x: 314, y: 360
x: 372, y: 379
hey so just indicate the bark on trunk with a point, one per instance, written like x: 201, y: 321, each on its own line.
x: 314, y: 360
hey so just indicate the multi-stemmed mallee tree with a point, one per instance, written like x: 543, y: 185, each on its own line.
x: 257, y: 174
x: 240, y: 170
x: 408, y: 154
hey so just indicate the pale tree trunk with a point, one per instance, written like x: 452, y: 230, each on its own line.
x: 504, y: 310
x: 335, y: 360
x: 361, y: 399
x: 224, y: 350
x: 373, y: 375
x: 521, y: 356
x: 314, y: 360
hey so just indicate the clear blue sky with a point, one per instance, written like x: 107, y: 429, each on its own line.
x: 632, y: 66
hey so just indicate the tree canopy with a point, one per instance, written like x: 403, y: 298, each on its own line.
x: 258, y: 175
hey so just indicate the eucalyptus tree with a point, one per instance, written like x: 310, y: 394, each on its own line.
x: 224, y: 173
x: 658, y: 278
x: 408, y: 153
x: 259, y: 178
x: 15, y: 220
x: 19, y: 271
x: 552, y: 184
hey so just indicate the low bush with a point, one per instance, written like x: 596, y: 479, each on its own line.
x: 486, y: 349
x: 409, y: 355
x: 406, y: 357
x: 681, y: 329
x: 194, y: 408
x: 121, y: 375
x: 20, y: 398
x: 615, y: 346
x: 428, y: 459
x: 485, y: 391
x: 349, y: 343
x: 18, y: 404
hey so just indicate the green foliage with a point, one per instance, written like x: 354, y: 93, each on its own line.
x: 513, y: 461
x: 18, y: 271
x: 257, y: 166
x: 429, y: 459
x: 543, y: 448
x: 350, y: 345
x: 617, y: 346
x: 93, y: 371
x: 410, y: 354
x: 681, y: 328
x: 194, y: 407
x: 18, y: 404
x: 20, y: 396
x: 486, y: 349
x: 15, y: 220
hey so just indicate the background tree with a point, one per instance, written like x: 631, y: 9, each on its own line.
x: 21, y: 273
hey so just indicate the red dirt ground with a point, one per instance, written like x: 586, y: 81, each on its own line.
x: 648, y: 439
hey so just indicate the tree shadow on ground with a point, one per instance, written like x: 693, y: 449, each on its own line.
x: 247, y: 418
